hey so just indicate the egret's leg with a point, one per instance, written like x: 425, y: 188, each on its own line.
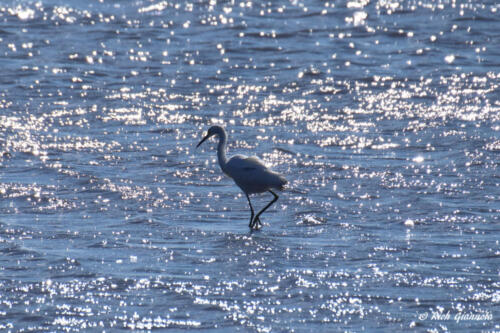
x: 250, y: 225
x: 254, y: 223
x: 256, y: 219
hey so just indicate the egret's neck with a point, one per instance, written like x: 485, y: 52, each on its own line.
x: 221, y: 150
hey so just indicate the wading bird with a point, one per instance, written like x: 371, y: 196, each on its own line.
x: 249, y: 173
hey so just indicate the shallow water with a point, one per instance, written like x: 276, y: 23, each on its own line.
x: 384, y: 116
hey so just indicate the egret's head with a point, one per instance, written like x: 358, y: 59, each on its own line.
x: 214, y: 130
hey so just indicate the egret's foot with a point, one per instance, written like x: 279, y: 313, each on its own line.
x: 256, y: 224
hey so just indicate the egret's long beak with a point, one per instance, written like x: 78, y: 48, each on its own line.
x: 202, y: 140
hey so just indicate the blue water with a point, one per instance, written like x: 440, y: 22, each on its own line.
x: 384, y: 116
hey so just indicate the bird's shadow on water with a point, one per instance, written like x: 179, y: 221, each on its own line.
x: 249, y: 239
x: 254, y: 231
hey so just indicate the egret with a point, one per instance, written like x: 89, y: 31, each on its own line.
x: 249, y: 173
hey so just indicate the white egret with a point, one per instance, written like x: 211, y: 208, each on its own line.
x: 249, y: 173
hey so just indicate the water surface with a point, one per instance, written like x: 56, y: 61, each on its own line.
x: 383, y: 115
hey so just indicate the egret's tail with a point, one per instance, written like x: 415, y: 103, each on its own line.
x: 282, y: 182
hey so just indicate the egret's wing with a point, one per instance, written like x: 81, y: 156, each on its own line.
x: 252, y: 175
x: 244, y: 163
x: 254, y: 162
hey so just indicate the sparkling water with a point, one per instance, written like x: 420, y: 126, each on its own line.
x: 384, y: 116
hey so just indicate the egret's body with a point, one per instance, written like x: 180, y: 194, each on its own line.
x: 249, y: 173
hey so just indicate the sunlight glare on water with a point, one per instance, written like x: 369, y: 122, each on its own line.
x: 383, y: 116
